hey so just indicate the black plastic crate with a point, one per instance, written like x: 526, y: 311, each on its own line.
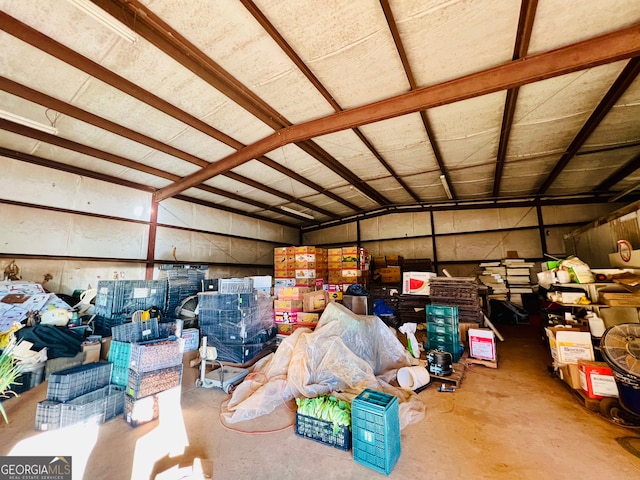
x: 123, y: 297
x: 148, y: 383
x: 136, y: 331
x: 207, y: 316
x: 209, y: 285
x: 98, y: 406
x: 48, y: 415
x: 240, y: 354
x: 227, y: 301
x: 233, y: 334
x: 73, y: 382
x: 322, y: 431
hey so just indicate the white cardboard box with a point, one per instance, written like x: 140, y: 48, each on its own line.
x: 482, y: 344
x: 569, y: 345
x: 416, y: 283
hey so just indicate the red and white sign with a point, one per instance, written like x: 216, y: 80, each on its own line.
x: 482, y: 344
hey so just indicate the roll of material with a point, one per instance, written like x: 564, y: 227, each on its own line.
x: 412, y: 378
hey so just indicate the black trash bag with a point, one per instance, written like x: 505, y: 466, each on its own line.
x: 357, y: 290
x: 59, y: 341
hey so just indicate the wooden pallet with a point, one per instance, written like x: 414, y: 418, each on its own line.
x: 456, y: 377
x: 481, y: 361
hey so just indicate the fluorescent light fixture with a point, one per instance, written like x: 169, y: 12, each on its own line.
x: 27, y: 122
x: 295, y: 212
x: 445, y: 184
x: 105, y: 19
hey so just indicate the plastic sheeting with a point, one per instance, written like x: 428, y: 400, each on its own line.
x: 345, y: 354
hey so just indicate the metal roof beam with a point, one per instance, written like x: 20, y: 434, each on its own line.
x: 618, y: 45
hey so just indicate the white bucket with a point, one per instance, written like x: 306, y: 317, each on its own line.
x: 412, y: 378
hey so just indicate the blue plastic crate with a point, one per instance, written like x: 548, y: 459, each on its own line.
x: 375, y: 426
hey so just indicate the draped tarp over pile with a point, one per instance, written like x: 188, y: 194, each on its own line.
x: 344, y: 355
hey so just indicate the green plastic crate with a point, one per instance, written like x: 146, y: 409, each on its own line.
x: 375, y: 427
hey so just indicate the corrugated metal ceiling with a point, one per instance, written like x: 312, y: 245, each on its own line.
x: 330, y: 108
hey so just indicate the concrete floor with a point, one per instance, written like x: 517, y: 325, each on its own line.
x: 514, y: 422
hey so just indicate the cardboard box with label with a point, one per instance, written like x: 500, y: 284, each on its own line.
x: 416, y: 283
x: 482, y: 344
x: 568, y: 345
x: 597, y: 380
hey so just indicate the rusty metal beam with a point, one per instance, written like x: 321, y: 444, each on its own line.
x: 125, y: 162
x: 618, y: 45
x: 523, y: 37
x: 148, y: 25
x: 27, y: 93
x: 393, y: 27
x: 626, y: 78
x: 306, y: 71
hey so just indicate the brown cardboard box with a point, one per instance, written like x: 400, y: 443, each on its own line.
x: 104, y: 348
x: 92, y: 352
x: 570, y: 373
x: 315, y: 301
x: 390, y: 274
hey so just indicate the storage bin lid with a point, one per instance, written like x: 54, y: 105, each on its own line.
x: 620, y: 346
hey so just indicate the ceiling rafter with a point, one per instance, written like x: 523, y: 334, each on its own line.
x: 63, y: 167
x: 302, y: 66
x: 620, y: 85
x: 46, y: 44
x: 125, y: 162
x: 611, y: 47
x: 144, y: 22
x: 47, y: 101
x: 523, y: 37
x: 393, y: 27
x: 623, y: 172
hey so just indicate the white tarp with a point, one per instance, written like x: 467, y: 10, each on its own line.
x: 345, y: 354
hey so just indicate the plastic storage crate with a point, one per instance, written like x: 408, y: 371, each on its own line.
x: 227, y: 301
x: 144, y: 384
x: 136, y: 331
x: 48, y: 415
x: 375, y: 423
x: 120, y: 356
x: 238, y: 316
x: 239, y: 334
x: 123, y: 297
x: 240, y: 353
x: 73, y: 382
x: 147, y: 409
x: 235, y: 285
x: 322, y: 431
x: 99, y: 406
x: 156, y: 354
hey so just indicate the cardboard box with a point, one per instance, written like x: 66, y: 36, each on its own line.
x: 307, y: 317
x: 315, y: 301
x: 390, y: 274
x: 91, y: 352
x: 287, y: 305
x: 482, y: 344
x: 568, y: 345
x: 357, y: 304
x: 570, y: 374
x: 105, y: 345
x: 597, y: 380
x: 416, y: 283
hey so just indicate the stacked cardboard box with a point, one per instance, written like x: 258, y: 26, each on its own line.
x: 346, y: 266
x: 310, y: 266
x: 388, y: 269
x: 519, y: 273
